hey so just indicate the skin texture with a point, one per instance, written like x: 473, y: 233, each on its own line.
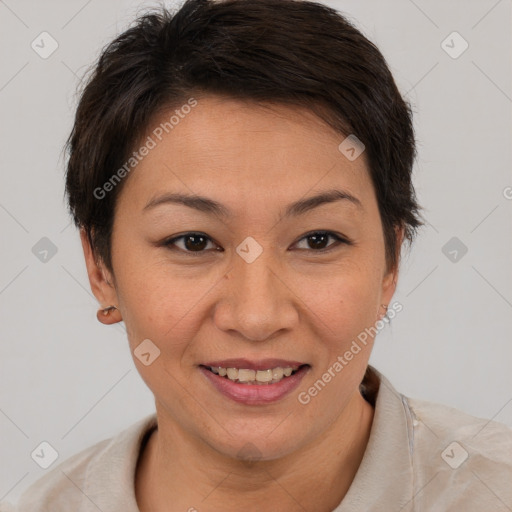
x: 293, y: 302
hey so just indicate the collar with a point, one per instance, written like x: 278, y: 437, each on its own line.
x: 385, y: 474
x: 113, y: 489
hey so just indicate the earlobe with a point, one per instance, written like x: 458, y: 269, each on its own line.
x: 109, y: 315
x: 382, y: 312
x: 101, y: 287
x: 387, y: 291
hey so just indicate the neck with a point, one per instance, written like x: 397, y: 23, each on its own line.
x: 175, y: 468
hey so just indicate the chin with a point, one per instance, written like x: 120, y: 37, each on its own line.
x: 251, y: 446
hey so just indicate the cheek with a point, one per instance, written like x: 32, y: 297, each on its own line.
x: 347, y: 312
x: 348, y: 301
x: 165, y: 305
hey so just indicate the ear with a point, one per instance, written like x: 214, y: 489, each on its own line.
x: 100, y: 280
x: 390, y: 278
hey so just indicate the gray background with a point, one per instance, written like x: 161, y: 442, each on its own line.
x: 69, y: 380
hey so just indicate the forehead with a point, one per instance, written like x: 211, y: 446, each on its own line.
x: 239, y: 151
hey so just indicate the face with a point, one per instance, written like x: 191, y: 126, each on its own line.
x: 255, y: 278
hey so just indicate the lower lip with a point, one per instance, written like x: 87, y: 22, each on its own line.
x: 255, y: 394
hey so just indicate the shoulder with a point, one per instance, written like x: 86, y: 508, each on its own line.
x: 75, y: 481
x: 53, y: 489
x: 483, y: 436
x: 460, y: 460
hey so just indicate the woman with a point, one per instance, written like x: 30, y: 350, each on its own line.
x: 240, y: 172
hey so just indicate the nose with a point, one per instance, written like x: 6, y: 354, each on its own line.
x: 256, y: 301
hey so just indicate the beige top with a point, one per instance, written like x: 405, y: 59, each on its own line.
x: 420, y: 457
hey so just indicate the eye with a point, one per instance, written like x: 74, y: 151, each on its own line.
x: 191, y: 243
x: 196, y: 243
x: 317, y: 241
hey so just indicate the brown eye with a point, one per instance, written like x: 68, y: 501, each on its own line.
x: 190, y: 242
x: 318, y: 241
x: 195, y: 242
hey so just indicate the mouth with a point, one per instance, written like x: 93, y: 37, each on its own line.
x: 255, y: 382
x: 249, y: 376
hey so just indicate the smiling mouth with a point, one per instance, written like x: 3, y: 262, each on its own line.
x: 255, y: 377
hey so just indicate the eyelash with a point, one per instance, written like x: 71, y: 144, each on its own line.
x: 339, y: 240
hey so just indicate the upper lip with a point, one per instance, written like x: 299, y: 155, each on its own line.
x: 262, y: 364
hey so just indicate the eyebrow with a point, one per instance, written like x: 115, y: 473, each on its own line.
x: 210, y: 206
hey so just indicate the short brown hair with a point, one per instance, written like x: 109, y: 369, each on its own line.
x: 293, y: 52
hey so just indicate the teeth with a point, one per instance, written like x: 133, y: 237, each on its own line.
x: 277, y: 373
x: 232, y: 373
x: 246, y: 376
x: 219, y: 370
x: 264, y: 375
